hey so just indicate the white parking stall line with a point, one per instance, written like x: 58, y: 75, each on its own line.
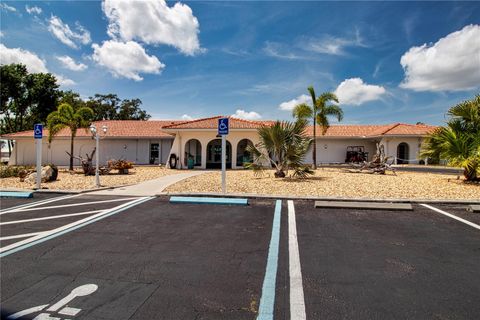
x: 25, y: 235
x: 47, y: 235
x: 51, y: 217
x: 297, y: 300
x: 37, y: 203
x: 73, y: 204
x: 471, y: 224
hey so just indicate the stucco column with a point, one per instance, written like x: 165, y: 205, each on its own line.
x: 234, y: 145
x: 204, y: 144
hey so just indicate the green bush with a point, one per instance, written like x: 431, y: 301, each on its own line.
x: 13, y: 171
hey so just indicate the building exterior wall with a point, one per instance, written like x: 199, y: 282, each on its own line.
x: 234, y: 137
x: 414, y: 146
x: 330, y: 150
x: 135, y: 150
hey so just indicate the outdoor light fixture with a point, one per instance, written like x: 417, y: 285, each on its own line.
x: 96, y: 135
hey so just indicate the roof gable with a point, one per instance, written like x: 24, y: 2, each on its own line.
x: 212, y: 123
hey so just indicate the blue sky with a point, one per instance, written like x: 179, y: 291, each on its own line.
x: 387, y: 61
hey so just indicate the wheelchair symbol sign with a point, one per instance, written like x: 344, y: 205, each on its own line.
x: 37, y: 131
x: 223, y: 126
x: 59, y: 308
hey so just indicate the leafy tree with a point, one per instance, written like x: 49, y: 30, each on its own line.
x: 26, y: 98
x: 110, y: 107
x: 105, y: 106
x: 68, y: 117
x: 284, y: 145
x: 320, y: 111
x: 459, y: 141
x: 130, y: 110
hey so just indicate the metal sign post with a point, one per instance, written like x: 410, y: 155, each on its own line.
x: 38, y: 134
x: 223, y: 131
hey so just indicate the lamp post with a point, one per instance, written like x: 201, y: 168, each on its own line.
x: 96, y: 135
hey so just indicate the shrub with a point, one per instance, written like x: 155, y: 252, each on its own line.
x: 13, y: 171
x: 121, y: 165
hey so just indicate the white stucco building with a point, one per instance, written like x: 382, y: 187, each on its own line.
x: 155, y: 141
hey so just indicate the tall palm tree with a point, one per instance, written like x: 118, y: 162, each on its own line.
x: 459, y: 141
x: 67, y: 117
x: 320, y: 111
x: 284, y: 146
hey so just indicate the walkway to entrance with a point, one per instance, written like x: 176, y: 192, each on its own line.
x: 150, y: 187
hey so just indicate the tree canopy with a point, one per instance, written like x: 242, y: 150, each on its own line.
x: 28, y: 98
x: 459, y: 141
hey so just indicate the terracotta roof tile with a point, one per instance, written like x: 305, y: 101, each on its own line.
x: 116, y: 128
x: 155, y: 128
x: 212, y: 123
x: 410, y: 129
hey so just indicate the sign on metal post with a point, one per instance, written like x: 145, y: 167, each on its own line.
x: 38, y: 134
x: 223, y: 131
x: 223, y: 126
x: 38, y: 131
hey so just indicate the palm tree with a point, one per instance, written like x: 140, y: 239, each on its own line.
x: 320, y: 111
x: 459, y: 141
x: 68, y: 117
x: 284, y: 146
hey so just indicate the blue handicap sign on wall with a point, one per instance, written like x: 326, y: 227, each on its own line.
x: 223, y: 126
x: 37, y: 131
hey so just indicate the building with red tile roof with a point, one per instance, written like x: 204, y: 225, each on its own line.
x: 156, y: 141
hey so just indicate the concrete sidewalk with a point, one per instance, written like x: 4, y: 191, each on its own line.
x: 150, y: 187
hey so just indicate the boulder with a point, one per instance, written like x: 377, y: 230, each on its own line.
x: 46, y: 174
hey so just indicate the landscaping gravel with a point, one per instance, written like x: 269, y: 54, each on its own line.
x: 338, y: 183
x: 77, y: 181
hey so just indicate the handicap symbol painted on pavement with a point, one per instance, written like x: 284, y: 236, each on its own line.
x: 59, y: 307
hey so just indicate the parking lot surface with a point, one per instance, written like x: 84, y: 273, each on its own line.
x: 100, y: 257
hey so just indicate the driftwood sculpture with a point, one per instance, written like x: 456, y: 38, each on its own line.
x: 87, y: 165
x: 378, y: 164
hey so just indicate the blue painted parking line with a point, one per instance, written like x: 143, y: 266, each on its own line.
x: 16, y: 194
x: 267, y: 301
x: 206, y: 200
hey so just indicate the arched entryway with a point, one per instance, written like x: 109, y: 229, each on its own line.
x: 193, y: 151
x: 214, y: 154
x: 243, y: 156
x: 402, y: 153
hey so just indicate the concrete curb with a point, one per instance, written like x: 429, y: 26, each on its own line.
x: 289, y: 197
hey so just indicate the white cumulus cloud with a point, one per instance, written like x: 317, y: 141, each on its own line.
x: 63, y: 33
x: 153, y: 22
x: 450, y: 64
x: 355, y: 92
x: 33, y: 10
x: 289, y: 105
x: 248, y: 115
x: 186, y: 117
x: 6, y: 7
x: 33, y: 63
x: 125, y: 59
x: 69, y: 63
x: 18, y: 55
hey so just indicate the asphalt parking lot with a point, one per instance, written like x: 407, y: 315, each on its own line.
x: 100, y: 257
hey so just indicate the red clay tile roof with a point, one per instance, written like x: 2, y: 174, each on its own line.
x: 116, y: 128
x: 410, y: 129
x: 155, y: 128
x: 393, y: 129
x: 212, y: 123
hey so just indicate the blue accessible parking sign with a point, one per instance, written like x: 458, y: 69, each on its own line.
x: 223, y: 126
x: 37, y: 131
